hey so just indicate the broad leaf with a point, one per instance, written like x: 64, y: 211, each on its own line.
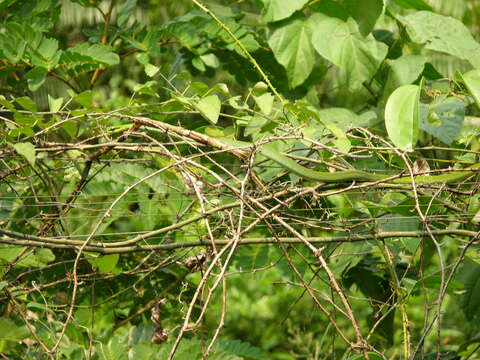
x: 54, y: 104
x: 38, y: 258
x: 472, y: 81
x: 401, y: 116
x: 365, y: 13
x: 151, y: 70
x: 359, y: 57
x: 443, y: 120
x: 275, y: 10
x: 444, y: 34
x: 265, y: 103
x: 209, y: 107
x: 27, y: 150
x: 27, y: 103
x: 291, y: 45
x: 106, y: 263
x: 36, y: 78
x: 343, y: 118
x: 403, y: 71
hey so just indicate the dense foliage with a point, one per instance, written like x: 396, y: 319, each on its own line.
x: 261, y: 179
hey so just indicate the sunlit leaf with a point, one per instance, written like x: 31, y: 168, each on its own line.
x: 27, y: 150
x: 359, y: 57
x: 265, y: 103
x: 472, y: 81
x: 275, y: 10
x: 448, y: 118
x: 402, y: 116
x: 444, y: 34
x: 209, y: 107
x: 291, y: 45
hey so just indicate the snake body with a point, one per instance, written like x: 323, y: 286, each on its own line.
x: 268, y: 150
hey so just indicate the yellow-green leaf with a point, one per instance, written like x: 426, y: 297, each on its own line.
x: 401, y: 116
x: 209, y: 107
x: 27, y: 150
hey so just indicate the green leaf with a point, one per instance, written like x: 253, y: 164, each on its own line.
x: 55, y: 104
x: 198, y: 64
x: 341, y: 117
x: 448, y: 119
x: 84, y: 99
x: 70, y: 128
x: 255, y: 125
x: 106, y: 263
x: 413, y: 4
x: 242, y: 349
x: 3, y: 284
x: 36, y: 77
x: 365, y: 13
x: 275, y: 10
x: 98, y: 52
x: 125, y: 12
x: 472, y: 81
x: 27, y: 103
x: 265, y: 103
x: 151, y: 70
x: 46, y: 54
x: 210, y: 60
x: 11, y: 334
x: 401, y: 116
x: 27, y: 150
x: 86, y: 57
x: 291, y: 45
x: 39, y: 258
x: 359, y: 57
x: 209, y: 107
x: 469, y: 275
x: 5, y: 103
x: 27, y: 120
x: 444, y: 34
x: 403, y: 71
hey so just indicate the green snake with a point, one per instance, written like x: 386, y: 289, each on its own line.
x: 268, y: 150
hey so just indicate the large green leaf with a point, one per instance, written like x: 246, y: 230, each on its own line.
x: 209, y: 107
x: 344, y: 118
x: 341, y: 43
x: 443, y: 120
x: 444, y: 34
x: 365, y: 13
x: 401, y: 116
x: 291, y: 45
x: 472, y: 81
x: 27, y: 150
x: 275, y: 10
x: 403, y: 71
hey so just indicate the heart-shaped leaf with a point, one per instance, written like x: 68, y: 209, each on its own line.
x: 209, y: 107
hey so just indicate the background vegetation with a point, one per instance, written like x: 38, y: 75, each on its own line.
x: 160, y: 194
